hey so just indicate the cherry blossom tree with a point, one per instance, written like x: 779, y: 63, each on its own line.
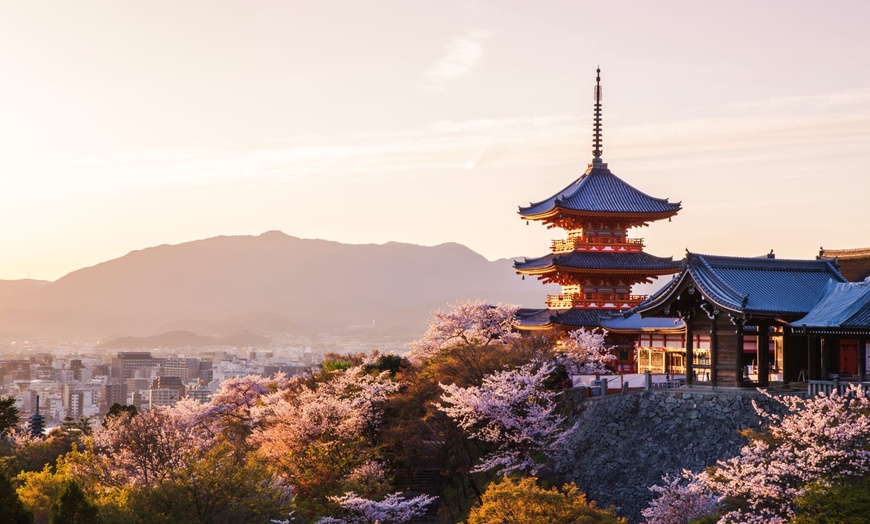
x: 820, y: 438
x: 585, y: 352
x: 681, y: 499
x: 468, y: 323
x: 393, y: 509
x: 511, y: 410
x: 320, y: 436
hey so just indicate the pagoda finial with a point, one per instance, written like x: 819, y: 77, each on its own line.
x: 596, y: 135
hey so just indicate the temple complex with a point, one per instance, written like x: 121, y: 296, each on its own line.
x: 597, y: 262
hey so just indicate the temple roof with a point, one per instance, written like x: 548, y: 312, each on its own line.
x: 600, y: 192
x: 599, y: 261
x: 766, y: 286
x: 843, y: 306
x: 573, y: 318
x: 592, y: 318
x: 634, y: 323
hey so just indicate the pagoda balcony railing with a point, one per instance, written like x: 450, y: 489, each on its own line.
x: 594, y: 301
x: 579, y: 243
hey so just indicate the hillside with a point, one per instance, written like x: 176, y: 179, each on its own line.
x: 267, y: 283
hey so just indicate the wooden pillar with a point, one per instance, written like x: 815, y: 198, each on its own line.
x: 862, y: 359
x: 812, y: 361
x: 714, y: 353
x: 763, y: 356
x: 690, y: 355
x: 823, y: 361
x: 739, y: 345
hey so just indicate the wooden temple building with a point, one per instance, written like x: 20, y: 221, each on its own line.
x: 721, y: 320
x: 739, y: 314
x: 596, y: 263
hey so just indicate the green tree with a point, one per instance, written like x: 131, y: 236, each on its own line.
x: 117, y: 410
x: 838, y: 503
x: 72, y: 507
x: 11, y: 509
x: 524, y: 502
x: 8, y: 415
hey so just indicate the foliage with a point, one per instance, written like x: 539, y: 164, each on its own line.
x: 819, y: 444
x: 469, y: 323
x: 117, y: 410
x: 72, y: 507
x: 682, y: 499
x: 512, y: 411
x: 393, y: 509
x: 822, y: 437
x: 524, y: 502
x: 8, y: 415
x: 39, y: 489
x: 837, y: 503
x: 585, y: 353
x: 317, y: 436
x: 12, y: 510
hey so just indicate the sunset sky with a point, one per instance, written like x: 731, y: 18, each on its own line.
x: 125, y: 125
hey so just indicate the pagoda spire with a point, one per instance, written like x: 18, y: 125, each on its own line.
x: 596, y: 135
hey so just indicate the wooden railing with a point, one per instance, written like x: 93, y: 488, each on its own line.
x: 597, y: 244
x: 814, y: 387
x: 594, y: 300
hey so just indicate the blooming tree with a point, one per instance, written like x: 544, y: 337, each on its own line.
x: 680, y: 499
x: 469, y: 323
x: 320, y: 436
x: 821, y: 438
x: 585, y: 353
x: 393, y: 509
x: 511, y: 410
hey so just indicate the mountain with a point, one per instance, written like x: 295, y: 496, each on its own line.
x: 267, y: 283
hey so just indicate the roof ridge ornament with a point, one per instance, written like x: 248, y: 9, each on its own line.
x: 596, y: 135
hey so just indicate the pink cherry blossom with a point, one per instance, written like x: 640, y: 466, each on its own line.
x: 512, y: 410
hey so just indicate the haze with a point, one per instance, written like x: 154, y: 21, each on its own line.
x: 130, y: 124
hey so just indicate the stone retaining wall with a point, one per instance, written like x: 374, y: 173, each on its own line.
x: 625, y: 443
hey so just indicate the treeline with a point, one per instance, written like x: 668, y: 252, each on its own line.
x: 474, y: 403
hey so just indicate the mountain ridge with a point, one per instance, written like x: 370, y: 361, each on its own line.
x: 254, y: 282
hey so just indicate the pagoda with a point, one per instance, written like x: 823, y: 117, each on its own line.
x: 596, y: 263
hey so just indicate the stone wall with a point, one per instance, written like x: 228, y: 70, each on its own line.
x: 625, y: 443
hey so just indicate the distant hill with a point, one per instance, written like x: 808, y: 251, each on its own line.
x: 269, y: 283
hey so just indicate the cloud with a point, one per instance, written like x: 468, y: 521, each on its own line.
x: 462, y: 54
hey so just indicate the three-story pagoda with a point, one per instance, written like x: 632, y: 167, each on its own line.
x: 597, y: 263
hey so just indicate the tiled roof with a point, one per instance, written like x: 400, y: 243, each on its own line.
x: 538, y: 318
x: 600, y: 191
x: 592, y: 318
x: 589, y: 318
x: 600, y: 261
x: 635, y: 323
x: 751, y: 285
x: 844, y: 305
x: 532, y: 318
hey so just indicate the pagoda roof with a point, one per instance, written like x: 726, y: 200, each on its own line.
x: 743, y: 285
x: 611, y: 320
x: 844, y: 306
x: 599, y: 261
x: 601, y: 193
x: 547, y: 318
x: 634, y: 323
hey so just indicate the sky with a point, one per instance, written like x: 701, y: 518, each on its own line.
x: 125, y: 125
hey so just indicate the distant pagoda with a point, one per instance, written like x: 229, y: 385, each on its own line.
x: 597, y: 263
x: 36, y: 426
